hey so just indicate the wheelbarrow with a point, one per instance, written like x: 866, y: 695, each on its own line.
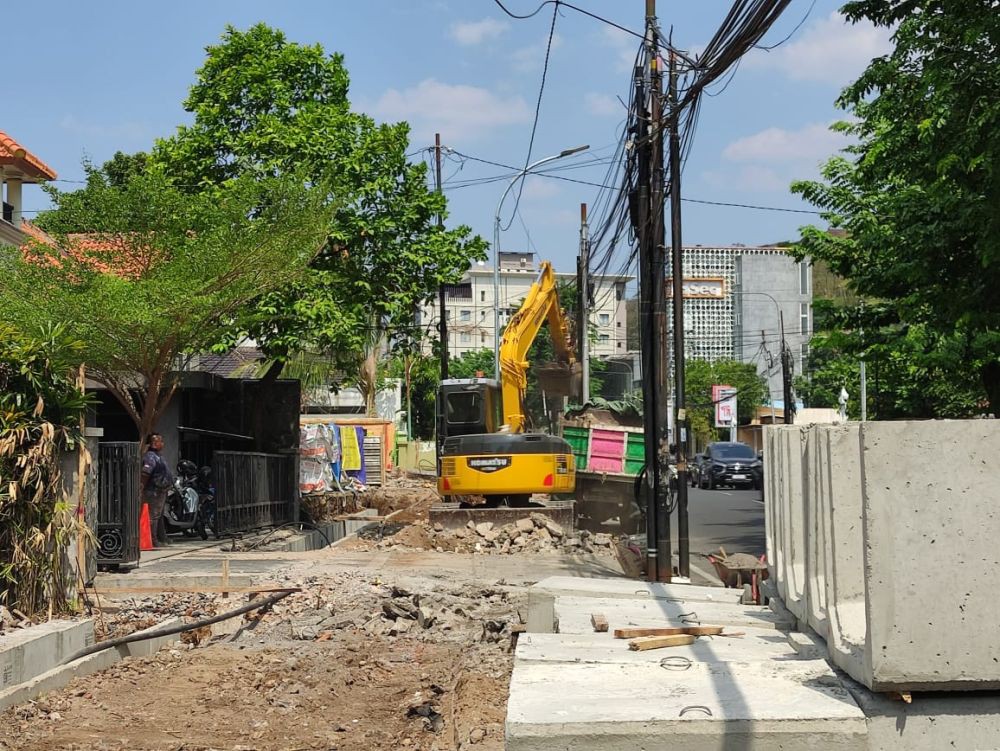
x: 740, y: 571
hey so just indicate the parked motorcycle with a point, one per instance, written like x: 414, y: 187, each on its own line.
x: 190, y: 506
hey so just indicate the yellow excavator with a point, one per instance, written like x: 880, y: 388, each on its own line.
x: 485, y: 451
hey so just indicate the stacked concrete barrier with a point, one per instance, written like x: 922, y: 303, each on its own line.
x: 883, y: 538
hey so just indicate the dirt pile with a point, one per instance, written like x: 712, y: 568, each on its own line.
x: 534, y: 534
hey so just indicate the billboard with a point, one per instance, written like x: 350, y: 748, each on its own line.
x: 724, y: 399
x: 701, y: 288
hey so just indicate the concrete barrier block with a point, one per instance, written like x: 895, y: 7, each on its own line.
x: 932, y: 525
x: 816, y: 481
x: 792, y: 576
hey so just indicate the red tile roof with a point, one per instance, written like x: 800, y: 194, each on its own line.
x: 11, y: 152
x: 106, y: 253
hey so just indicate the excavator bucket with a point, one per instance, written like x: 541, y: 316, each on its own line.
x: 560, y: 380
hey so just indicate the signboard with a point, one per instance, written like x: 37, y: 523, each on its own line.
x: 706, y: 288
x: 724, y: 398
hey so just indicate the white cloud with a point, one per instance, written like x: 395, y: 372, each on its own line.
x: 624, y: 46
x: 810, y: 144
x: 539, y: 188
x: 602, y: 105
x: 457, y: 111
x: 531, y: 58
x: 830, y: 50
x: 771, y: 159
x: 468, y: 33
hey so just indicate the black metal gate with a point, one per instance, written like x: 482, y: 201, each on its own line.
x: 118, y: 504
x: 254, y: 490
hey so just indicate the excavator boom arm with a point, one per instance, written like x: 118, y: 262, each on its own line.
x: 541, y: 304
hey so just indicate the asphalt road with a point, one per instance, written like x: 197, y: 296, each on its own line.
x: 733, y: 519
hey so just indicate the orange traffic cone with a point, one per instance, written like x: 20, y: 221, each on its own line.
x: 145, y: 534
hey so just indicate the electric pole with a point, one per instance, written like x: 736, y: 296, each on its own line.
x: 652, y: 301
x: 583, y: 307
x: 442, y: 311
x: 786, y: 373
x: 677, y: 273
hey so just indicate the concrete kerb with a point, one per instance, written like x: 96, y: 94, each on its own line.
x: 29, y: 652
x: 60, y: 676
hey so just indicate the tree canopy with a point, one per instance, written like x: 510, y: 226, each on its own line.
x: 265, y: 107
x: 918, y: 192
x: 160, y: 274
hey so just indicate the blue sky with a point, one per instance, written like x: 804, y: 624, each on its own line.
x: 87, y: 79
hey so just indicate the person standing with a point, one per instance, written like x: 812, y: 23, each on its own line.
x: 156, y: 481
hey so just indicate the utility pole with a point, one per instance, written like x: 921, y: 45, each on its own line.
x: 652, y: 307
x: 442, y: 310
x: 786, y: 373
x: 677, y: 272
x: 583, y: 308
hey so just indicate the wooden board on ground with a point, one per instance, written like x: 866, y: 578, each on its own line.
x: 631, y: 633
x: 599, y: 622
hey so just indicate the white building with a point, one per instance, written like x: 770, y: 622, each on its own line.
x: 18, y: 167
x: 469, y: 306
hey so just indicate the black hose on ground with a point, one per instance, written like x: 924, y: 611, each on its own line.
x: 181, y: 627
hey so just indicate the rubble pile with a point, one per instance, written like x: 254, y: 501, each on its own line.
x: 121, y: 617
x: 536, y: 533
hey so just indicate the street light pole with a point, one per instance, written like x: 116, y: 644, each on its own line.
x: 496, y: 247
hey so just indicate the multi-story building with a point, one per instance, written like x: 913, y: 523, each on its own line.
x: 469, y: 306
x: 736, y: 300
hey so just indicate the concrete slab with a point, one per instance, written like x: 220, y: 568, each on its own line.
x: 29, y: 652
x: 110, y: 584
x: 541, y: 597
x: 573, y: 614
x: 61, y: 675
x: 757, y: 645
x: 793, y: 706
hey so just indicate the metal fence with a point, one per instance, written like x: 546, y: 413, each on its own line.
x: 254, y: 490
x: 118, y: 504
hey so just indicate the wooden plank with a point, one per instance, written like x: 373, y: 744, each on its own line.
x: 599, y: 622
x: 193, y: 589
x: 225, y: 577
x: 658, y: 642
x: 631, y: 633
x: 358, y: 518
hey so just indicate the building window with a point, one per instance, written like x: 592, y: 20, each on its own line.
x: 618, y: 324
x: 465, y: 315
x: 804, y: 359
x: 465, y: 338
x: 804, y: 327
x: 803, y: 277
x: 619, y: 293
x: 604, y: 319
x: 604, y: 338
x: 447, y: 315
x: 482, y: 295
x: 482, y: 337
x: 619, y: 345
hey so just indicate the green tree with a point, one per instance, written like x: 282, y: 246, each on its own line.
x: 913, y: 371
x: 262, y: 107
x: 469, y: 364
x: 918, y: 193
x: 161, y: 274
x: 701, y: 375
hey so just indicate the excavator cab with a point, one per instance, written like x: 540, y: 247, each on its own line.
x: 468, y: 406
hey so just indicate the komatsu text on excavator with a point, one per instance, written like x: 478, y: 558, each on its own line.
x: 481, y: 423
